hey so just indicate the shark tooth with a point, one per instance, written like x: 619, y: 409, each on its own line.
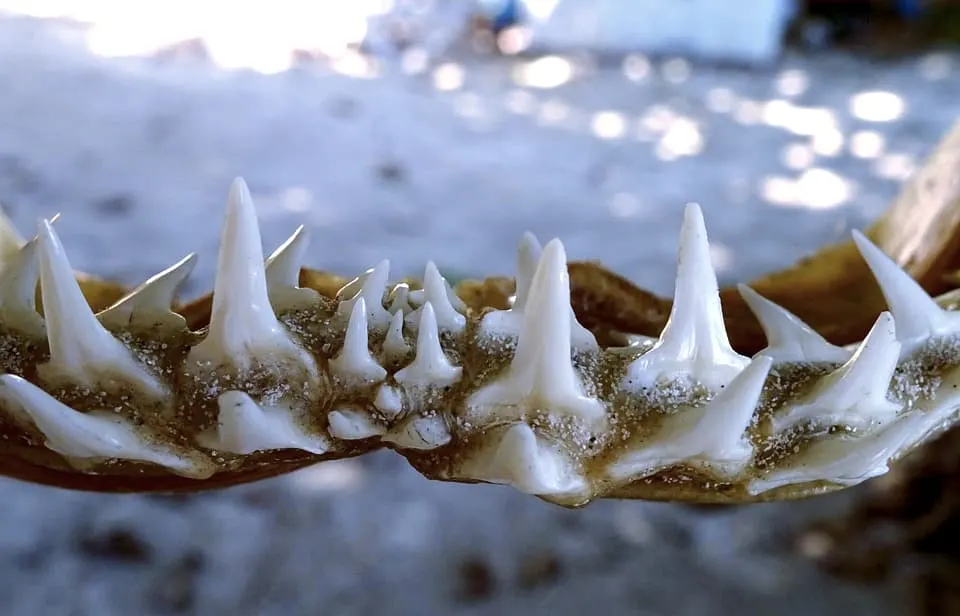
x: 711, y: 436
x: 95, y: 436
x: 282, y: 272
x: 541, y: 374
x: 18, y: 290
x: 389, y: 401
x: 788, y: 338
x: 243, y: 326
x: 438, y: 293
x: 354, y: 362
x: 846, y: 459
x: 694, y: 341
x: 245, y: 427
x: 422, y: 433
x: 399, y: 298
x: 855, y: 394
x: 430, y: 366
x: 81, y: 349
x: 918, y: 316
x: 350, y: 425
x: 374, y: 281
x: 395, y: 348
x: 151, y: 302
x: 526, y: 463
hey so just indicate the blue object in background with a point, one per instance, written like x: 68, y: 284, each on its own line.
x: 910, y: 9
x: 510, y: 14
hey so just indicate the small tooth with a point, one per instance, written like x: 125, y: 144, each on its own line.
x: 242, y: 322
x: 788, y: 338
x: 528, y: 255
x: 282, y: 272
x: 371, y: 290
x: 18, y: 290
x: 855, y: 394
x: 541, y: 374
x: 918, y: 316
x: 349, y: 425
x: 437, y: 293
x: 244, y: 428
x: 713, y: 435
x: 388, y: 401
x: 152, y: 301
x: 694, y: 341
x: 521, y: 461
x: 354, y: 360
x: 97, y: 435
x: 510, y: 322
x: 394, y: 346
x: 421, y: 433
x: 400, y: 299
x: 430, y: 366
x: 81, y: 349
x: 847, y: 460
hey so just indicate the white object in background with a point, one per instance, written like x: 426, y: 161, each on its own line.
x: 749, y: 31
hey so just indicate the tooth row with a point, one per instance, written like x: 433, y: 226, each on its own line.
x: 523, y: 397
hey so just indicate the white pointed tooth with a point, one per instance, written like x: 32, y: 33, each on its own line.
x: 244, y: 427
x: 521, y: 460
x: 788, y: 338
x: 389, y: 401
x: 10, y: 240
x: 81, y: 349
x: 394, y: 346
x: 435, y: 292
x: 18, y: 290
x: 847, y: 459
x: 282, y: 272
x: 541, y: 374
x: 500, y: 323
x: 855, y: 394
x: 242, y: 322
x: 152, y: 301
x: 918, y: 316
x: 528, y: 255
x: 400, y: 299
x: 371, y: 290
x: 84, y: 436
x: 430, y: 367
x: 422, y: 433
x: 354, y: 362
x: 713, y: 435
x: 350, y: 425
x: 694, y: 341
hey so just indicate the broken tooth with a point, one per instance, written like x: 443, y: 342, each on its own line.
x: 354, y: 362
x: 243, y: 326
x: 421, y: 433
x: 855, y: 394
x: 350, y: 425
x: 151, y: 302
x: 96, y: 436
x: 694, y: 341
x: 541, y: 374
x: 244, y: 427
x: 430, y: 366
x: 918, y: 316
x: 374, y: 282
x: 81, y: 349
x: 788, y: 338
x: 714, y: 436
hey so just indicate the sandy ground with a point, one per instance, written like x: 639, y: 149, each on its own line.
x: 452, y: 164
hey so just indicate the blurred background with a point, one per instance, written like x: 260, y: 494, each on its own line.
x: 431, y: 129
